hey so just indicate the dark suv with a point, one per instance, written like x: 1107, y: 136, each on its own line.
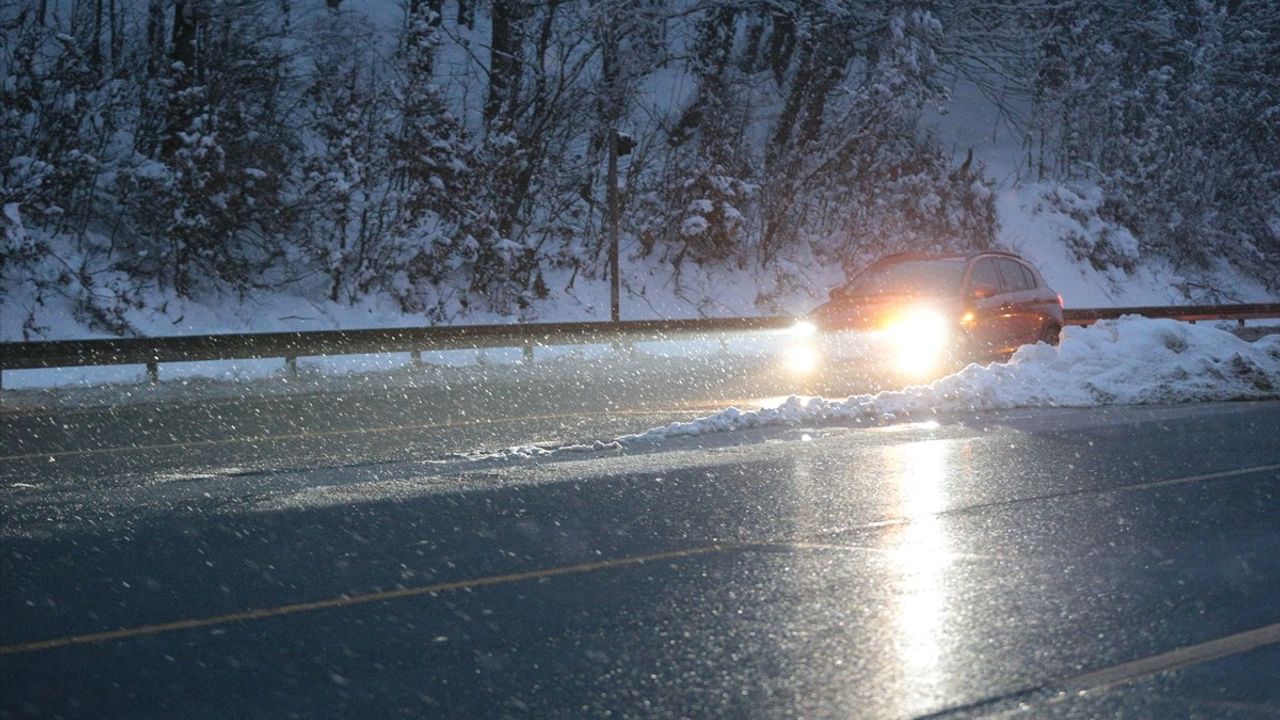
x: 963, y: 306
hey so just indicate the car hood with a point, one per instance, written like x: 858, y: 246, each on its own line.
x: 874, y: 312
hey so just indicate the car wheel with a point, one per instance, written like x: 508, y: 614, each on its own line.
x: 1049, y: 335
x: 965, y: 350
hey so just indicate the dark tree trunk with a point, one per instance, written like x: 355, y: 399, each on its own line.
x: 716, y: 46
x: 504, y: 64
x: 782, y: 43
x: 824, y: 52
x: 831, y: 57
x: 152, y: 121
x: 155, y: 38
x: 800, y: 87
x: 185, y: 29
x: 95, y: 52
x: 750, y: 61
x: 117, y: 39
x: 823, y: 57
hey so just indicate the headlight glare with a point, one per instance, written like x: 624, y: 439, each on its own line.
x: 803, y: 328
x: 919, y: 338
x: 801, y: 358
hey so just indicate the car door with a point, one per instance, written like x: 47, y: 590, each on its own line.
x: 1020, y: 302
x: 991, y: 329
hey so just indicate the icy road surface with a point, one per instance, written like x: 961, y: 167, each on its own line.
x: 1025, y: 563
x: 931, y: 550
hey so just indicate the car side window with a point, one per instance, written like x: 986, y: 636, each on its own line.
x: 1011, y: 279
x: 984, y: 273
x: 1028, y: 276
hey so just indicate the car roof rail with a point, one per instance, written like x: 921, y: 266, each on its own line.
x: 912, y: 255
x: 1006, y: 253
x: 906, y: 255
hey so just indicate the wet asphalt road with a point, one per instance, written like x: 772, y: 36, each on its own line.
x: 1012, y: 564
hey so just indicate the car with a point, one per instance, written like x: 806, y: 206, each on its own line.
x: 932, y: 311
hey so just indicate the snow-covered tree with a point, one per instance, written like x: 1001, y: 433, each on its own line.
x: 455, y: 156
x: 1172, y: 109
x: 212, y: 204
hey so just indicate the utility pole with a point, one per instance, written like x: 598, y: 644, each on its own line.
x: 615, y: 312
x: 609, y: 69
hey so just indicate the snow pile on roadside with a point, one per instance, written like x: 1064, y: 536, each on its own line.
x: 1132, y: 360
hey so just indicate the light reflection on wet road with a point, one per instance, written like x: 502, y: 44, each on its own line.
x: 917, y: 474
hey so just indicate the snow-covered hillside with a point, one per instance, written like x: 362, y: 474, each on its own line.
x: 1059, y: 224
x: 191, y: 168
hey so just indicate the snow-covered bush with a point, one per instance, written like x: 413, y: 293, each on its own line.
x: 712, y: 227
x: 1093, y: 239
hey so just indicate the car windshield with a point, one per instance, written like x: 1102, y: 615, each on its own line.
x: 910, y: 277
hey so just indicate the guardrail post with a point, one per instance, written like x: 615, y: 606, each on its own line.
x: 291, y: 364
x: 415, y: 357
x: 1240, y: 321
x: 526, y: 356
x: 153, y: 372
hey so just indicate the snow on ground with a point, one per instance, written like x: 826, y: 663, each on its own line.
x: 1050, y: 224
x: 650, y: 289
x: 1058, y: 228
x: 1132, y: 360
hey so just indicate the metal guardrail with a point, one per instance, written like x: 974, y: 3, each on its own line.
x: 292, y: 345
x: 1189, y: 313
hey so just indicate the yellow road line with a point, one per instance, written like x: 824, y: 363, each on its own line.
x: 1199, y: 478
x: 1004, y: 504
x: 1107, y: 676
x: 1028, y: 699
x: 349, y: 600
x: 1172, y: 660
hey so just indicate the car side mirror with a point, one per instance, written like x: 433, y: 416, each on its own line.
x: 981, y: 291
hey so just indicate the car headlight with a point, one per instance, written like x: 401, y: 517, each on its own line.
x: 801, y: 358
x: 803, y: 328
x: 919, y: 339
